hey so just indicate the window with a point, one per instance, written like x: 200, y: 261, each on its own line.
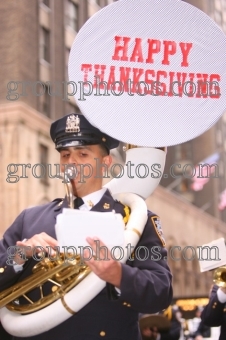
x: 72, y: 15
x: 43, y: 161
x: 67, y: 52
x: 44, y: 101
x: 45, y: 44
x: 182, y: 157
x: 45, y: 2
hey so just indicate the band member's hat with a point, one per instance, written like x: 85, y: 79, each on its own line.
x: 74, y: 129
x: 154, y: 320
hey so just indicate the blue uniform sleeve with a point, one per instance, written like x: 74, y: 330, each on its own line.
x: 146, y: 280
x: 8, y: 276
x: 202, y: 330
x: 213, y: 313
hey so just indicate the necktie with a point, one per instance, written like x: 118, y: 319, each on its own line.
x: 78, y: 202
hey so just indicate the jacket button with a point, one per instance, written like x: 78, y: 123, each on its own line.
x: 102, y: 333
x: 2, y: 270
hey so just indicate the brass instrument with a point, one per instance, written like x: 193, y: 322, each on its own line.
x: 68, y: 296
x: 64, y: 275
x: 219, y: 277
x: 63, y: 272
x: 168, y: 313
x: 68, y: 186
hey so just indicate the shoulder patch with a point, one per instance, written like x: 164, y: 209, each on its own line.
x: 158, y: 228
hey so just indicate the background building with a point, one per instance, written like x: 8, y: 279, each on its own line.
x: 36, y: 37
x: 35, y: 45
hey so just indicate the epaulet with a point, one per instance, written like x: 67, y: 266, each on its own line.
x: 126, y: 211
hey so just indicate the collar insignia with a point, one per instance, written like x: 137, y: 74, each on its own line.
x: 73, y: 124
x: 106, y: 206
x: 61, y: 202
x: 90, y: 204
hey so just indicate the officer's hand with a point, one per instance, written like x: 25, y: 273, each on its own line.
x: 36, y: 241
x: 107, y: 268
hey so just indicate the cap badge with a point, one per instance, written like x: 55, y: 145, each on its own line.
x: 72, y: 124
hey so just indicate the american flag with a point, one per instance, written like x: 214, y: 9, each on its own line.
x: 202, y: 174
x: 222, y: 203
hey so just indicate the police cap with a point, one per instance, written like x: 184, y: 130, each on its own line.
x: 74, y: 129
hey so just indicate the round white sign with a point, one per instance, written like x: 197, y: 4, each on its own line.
x: 150, y: 73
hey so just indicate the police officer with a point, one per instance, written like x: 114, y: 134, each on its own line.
x: 137, y: 286
x: 214, y: 314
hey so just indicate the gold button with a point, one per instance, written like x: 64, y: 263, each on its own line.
x: 2, y: 270
x: 54, y: 288
x: 128, y: 305
x: 102, y: 333
x: 104, y: 139
x: 124, y: 303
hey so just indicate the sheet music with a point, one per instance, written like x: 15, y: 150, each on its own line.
x: 212, y: 255
x: 73, y: 226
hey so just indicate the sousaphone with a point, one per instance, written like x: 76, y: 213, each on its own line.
x: 83, y: 285
x: 121, y: 72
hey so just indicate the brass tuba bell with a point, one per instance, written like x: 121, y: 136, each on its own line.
x: 63, y: 274
x: 219, y: 277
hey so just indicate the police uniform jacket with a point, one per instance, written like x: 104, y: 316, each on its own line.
x: 145, y: 285
x: 214, y: 314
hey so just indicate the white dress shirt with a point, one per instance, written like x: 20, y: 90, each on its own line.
x: 221, y: 296
x: 92, y: 199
